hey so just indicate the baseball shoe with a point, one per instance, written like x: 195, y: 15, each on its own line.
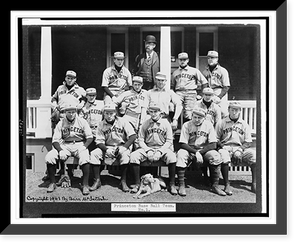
x: 227, y: 189
x: 51, y: 187
x: 96, y: 185
x: 173, y: 189
x: 218, y: 191
x: 124, y: 187
x: 181, y: 190
x: 85, y: 190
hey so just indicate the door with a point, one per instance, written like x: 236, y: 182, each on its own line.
x: 207, y: 39
x: 117, y: 42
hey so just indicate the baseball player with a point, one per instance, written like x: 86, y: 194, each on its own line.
x: 92, y: 110
x: 165, y: 99
x: 116, y: 79
x: 187, y: 82
x: 114, y: 138
x: 134, y: 103
x: 217, y: 79
x: 156, y: 143
x: 72, y: 136
x: 234, y: 140
x: 68, y: 88
x: 213, y: 111
x: 198, y: 143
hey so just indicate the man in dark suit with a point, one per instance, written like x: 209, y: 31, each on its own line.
x: 147, y: 64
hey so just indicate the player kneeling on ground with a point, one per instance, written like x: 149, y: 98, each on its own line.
x: 198, y: 143
x: 114, y: 137
x: 72, y: 136
x: 234, y: 140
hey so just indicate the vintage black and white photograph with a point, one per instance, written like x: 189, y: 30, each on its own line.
x: 143, y: 116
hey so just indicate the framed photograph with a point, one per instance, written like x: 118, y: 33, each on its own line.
x: 56, y: 182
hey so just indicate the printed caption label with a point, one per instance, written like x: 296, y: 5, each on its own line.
x: 143, y: 207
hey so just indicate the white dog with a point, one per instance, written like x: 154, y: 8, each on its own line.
x: 149, y: 185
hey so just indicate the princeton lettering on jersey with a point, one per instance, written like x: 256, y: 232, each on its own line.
x: 156, y: 130
x: 66, y: 131
x: 234, y: 128
x: 114, y: 130
x: 199, y: 133
x: 135, y: 97
x: 185, y: 75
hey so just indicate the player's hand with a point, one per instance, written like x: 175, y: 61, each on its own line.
x: 156, y: 156
x: 174, y: 124
x: 216, y: 99
x: 150, y: 156
x: 237, y: 157
x: 199, y: 158
x: 63, y: 155
x: 110, y: 152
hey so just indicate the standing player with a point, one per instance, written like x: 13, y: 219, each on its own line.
x: 156, y: 143
x: 114, y: 137
x: 134, y: 103
x: 116, y: 79
x: 72, y: 136
x: 165, y: 99
x: 213, y: 111
x: 198, y: 142
x: 234, y: 136
x: 218, y: 79
x: 68, y: 88
x: 187, y: 82
x: 147, y: 64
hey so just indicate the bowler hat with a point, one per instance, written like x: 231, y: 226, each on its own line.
x: 150, y: 38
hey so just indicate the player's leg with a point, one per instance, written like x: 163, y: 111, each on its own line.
x: 183, y: 158
x: 214, y: 159
x: 170, y: 159
x: 249, y: 157
x: 226, y: 158
x: 51, y: 159
x: 95, y: 161
x: 136, y: 158
x: 84, y: 162
x: 124, y: 163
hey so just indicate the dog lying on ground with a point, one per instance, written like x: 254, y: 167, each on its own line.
x: 149, y: 185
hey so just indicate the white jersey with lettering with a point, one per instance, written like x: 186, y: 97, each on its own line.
x: 114, y: 134
x: 93, y: 114
x: 197, y: 136
x: 76, y: 130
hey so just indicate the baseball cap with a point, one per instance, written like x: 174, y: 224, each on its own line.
x: 161, y: 75
x: 154, y: 106
x: 110, y: 107
x: 183, y: 55
x: 91, y: 91
x: 69, y: 106
x: 71, y: 73
x: 208, y: 90
x: 137, y: 79
x: 235, y: 104
x: 199, y: 111
x: 213, y: 54
x: 150, y: 38
x: 119, y: 55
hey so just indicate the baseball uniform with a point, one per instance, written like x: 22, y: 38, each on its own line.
x: 186, y: 81
x: 213, y: 112
x: 197, y: 137
x: 93, y: 113
x: 232, y: 135
x: 217, y: 79
x: 117, y: 82
x: 112, y: 135
x: 71, y: 137
x: 155, y: 135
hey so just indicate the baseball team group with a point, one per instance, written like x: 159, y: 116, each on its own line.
x: 138, y: 118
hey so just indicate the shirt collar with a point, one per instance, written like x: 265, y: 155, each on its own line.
x: 155, y: 88
x: 229, y: 120
x: 152, y: 121
x: 184, y: 69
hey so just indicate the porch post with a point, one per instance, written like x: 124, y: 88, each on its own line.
x: 165, y: 53
x: 46, y: 64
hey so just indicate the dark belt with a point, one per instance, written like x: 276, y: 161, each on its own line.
x: 74, y: 141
